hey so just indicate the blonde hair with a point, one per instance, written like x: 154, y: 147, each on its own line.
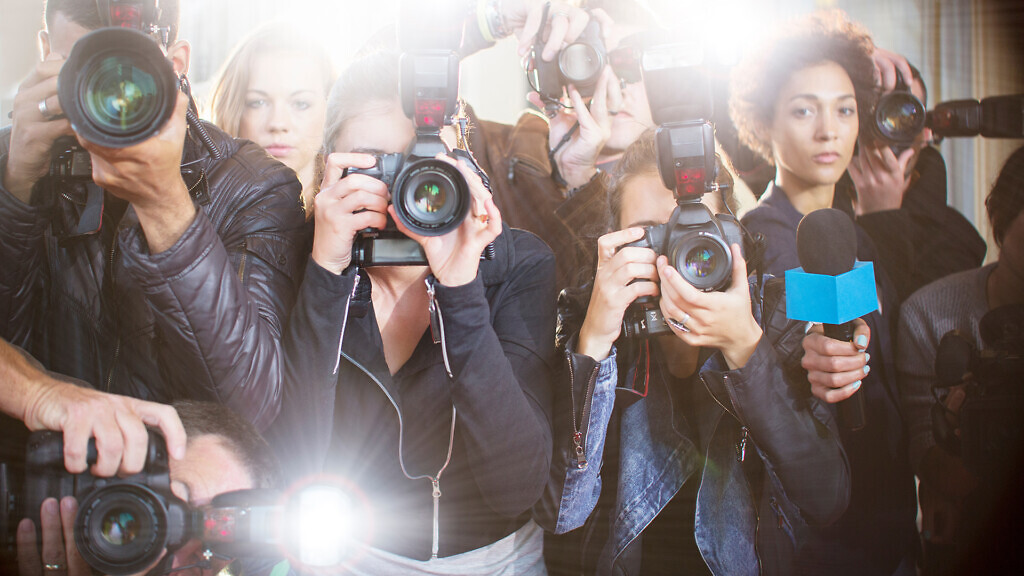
x: 228, y: 101
x: 370, y: 79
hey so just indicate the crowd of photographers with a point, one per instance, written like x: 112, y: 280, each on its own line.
x: 570, y: 345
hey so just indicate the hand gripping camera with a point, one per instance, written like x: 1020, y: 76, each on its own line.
x: 430, y: 196
x: 695, y: 241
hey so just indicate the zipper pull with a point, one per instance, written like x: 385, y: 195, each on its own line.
x: 741, y: 446
x: 436, y: 543
x: 581, y: 458
x: 435, y: 323
x: 512, y: 170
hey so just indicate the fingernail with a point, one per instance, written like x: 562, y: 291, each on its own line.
x: 862, y: 341
x: 50, y: 506
x: 67, y: 504
x: 867, y: 369
x: 867, y: 357
x: 25, y: 526
x: 855, y: 386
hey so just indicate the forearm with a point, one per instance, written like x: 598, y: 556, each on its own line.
x: 795, y: 435
x: 22, y: 250
x: 584, y: 401
x: 164, y: 224
x: 19, y: 379
x: 214, y: 319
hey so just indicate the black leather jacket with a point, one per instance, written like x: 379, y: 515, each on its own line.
x: 201, y: 320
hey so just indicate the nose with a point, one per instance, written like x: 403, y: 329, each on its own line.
x: 827, y: 125
x: 279, y: 121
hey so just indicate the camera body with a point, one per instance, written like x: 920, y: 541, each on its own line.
x: 69, y: 162
x: 987, y: 430
x: 579, y: 64
x: 123, y: 524
x: 695, y: 241
x: 430, y: 196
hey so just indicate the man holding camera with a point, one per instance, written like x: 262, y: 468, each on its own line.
x: 180, y: 287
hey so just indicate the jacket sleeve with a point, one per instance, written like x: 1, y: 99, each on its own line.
x: 584, y: 401
x: 502, y: 363
x: 22, y: 251
x: 795, y: 434
x: 302, y: 431
x: 221, y: 294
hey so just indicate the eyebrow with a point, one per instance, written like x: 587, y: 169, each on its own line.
x: 643, y: 223
x: 296, y: 93
x: 372, y: 151
x: 816, y: 97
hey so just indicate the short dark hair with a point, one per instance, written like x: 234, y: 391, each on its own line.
x: 86, y: 14
x: 827, y: 36
x: 238, y: 435
x: 1006, y: 200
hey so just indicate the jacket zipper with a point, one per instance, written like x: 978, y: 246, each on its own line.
x: 435, y: 480
x: 577, y: 435
x: 113, y: 288
x: 437, y: 324
x: 344, y: 323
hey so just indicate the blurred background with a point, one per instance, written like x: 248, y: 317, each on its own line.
x: 964, y: 48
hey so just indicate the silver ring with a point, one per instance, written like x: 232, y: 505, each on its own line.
x: 53, y: 567
x: 679, y: 324
x: 44, y: 110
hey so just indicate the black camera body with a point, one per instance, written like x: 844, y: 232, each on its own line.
x: 69, y: 162
x: 695, y: 241
x: 579, y: 64
x: 899, y: 117
x: 430, y: 196
x: 123, y: 524
x: 988, y: 432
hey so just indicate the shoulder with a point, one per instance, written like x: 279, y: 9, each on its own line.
x: 241, y: 159
x: 958, y: 288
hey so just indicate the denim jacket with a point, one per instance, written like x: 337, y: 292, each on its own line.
x: 805, y: 479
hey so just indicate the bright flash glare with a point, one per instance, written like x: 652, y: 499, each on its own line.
x: 326, y: 523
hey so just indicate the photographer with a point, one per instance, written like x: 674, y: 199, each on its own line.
x: 799, y: 101
x: 181, y: 286
x: 901, y: 202
x: 700, y: 427
x: 428, y: 387
x: 225, y: 453
x: 979, y: 527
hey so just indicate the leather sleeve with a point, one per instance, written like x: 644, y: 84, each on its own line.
x: 22, y: 252
x: 222, y: 293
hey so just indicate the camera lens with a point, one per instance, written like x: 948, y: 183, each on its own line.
x: 703, y: 260
x: 431, y: 197
x: 899, y: 117
x: 121, y: 528
x: 117, y: 87
x: 580, y: 63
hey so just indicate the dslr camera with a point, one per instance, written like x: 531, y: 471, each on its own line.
x: 986, y: 429
x: 430, y: 196
x: 124, y: 524
x: 695, y: 241
x: 899, y: 117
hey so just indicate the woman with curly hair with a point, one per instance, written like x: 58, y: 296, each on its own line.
x: 800, y: 101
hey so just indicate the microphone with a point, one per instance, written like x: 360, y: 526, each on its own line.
x: 831, y: 287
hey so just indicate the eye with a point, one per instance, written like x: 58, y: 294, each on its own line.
x: 802, y: 112
x: 301, y: 104
x: 255, y: 103
x: 847, y: 110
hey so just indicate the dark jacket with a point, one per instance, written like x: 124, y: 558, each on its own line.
x: 201, y: 320
x: 569, y: 221
x: 925, y: 239
x: 389, y: 435
x: 750, y: 514
x: 878, y: 531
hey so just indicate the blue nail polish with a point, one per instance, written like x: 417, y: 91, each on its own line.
x: 855, y: 386
x: 862, y: 341
x: 867, y: 369
x: 867, y: 357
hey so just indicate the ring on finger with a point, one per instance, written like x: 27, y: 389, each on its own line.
x: 483, y: 218
x: 53, y: 567
x: 679, y: 325
x: 44, y: 109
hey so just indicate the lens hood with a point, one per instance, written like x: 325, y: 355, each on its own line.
x: 122, y: 528
x: 431, y: 197
x: 117, y: 87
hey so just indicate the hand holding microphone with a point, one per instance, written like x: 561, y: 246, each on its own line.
x: 833, y: 289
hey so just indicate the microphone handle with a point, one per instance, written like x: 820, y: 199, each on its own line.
x: 851, y: 411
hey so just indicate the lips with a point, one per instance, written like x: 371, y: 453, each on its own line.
x: 278, y: 150
x: 826, y: 157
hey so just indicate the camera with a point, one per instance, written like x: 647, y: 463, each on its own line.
x: 124, y: 524
x: 695, y: 241
x: 430, y: 196
x: 579, y: 64
x: 987, y: 430
x: 117, y: 87
x: 899, y: 117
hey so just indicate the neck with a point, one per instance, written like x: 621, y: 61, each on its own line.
x: 804, y: 196
x: 1005, y: 286
x: 396, y: 280
x: 680, y: 358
